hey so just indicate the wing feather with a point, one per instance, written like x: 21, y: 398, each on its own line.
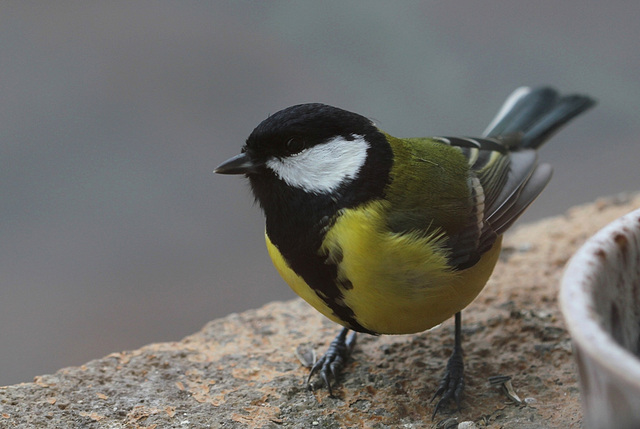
x: 502, y: 184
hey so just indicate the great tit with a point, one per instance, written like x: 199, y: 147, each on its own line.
x: 387, y: 235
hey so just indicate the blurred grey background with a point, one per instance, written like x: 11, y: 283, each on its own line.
x: 114, y: 230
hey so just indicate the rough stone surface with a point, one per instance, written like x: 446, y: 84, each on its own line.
x: 242, y: 372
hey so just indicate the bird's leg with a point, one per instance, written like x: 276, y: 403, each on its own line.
x: 452, y: 383
x: 334, y: 359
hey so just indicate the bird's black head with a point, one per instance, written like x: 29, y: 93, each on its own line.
x: 300, y: 127
x: 314, y: 150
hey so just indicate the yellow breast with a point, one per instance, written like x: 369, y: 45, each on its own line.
x: 397, y: 283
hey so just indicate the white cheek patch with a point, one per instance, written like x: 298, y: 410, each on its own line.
x: 323, y: 168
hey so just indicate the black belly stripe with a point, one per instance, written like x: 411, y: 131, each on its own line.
x: 299, y: 243
x: 322, y: 277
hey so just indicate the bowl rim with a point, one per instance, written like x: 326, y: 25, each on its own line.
x: 578, y: 308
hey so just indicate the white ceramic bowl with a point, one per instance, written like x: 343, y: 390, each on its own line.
x: 600, y: 300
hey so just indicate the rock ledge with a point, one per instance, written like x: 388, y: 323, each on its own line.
x: 242, y: 371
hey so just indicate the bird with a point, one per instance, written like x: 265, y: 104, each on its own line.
x: 387, y: 235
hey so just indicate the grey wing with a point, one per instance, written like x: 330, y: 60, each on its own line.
x: 502, y: 185
x: 505, y: 175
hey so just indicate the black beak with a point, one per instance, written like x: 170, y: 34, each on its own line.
x: 239, y: 164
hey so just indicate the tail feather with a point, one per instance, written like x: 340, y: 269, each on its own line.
x: 566, y: 109
x: 533, y: 115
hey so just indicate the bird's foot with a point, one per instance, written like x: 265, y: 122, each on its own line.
x: 452, y: 384
x: 330, y: 365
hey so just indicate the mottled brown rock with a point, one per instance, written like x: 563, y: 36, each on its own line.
x: 242, y: 371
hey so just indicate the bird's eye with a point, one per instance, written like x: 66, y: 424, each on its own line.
x: 294, y: 145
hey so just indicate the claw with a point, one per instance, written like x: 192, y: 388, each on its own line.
x: 330, y: 365
x: 452, y: 384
